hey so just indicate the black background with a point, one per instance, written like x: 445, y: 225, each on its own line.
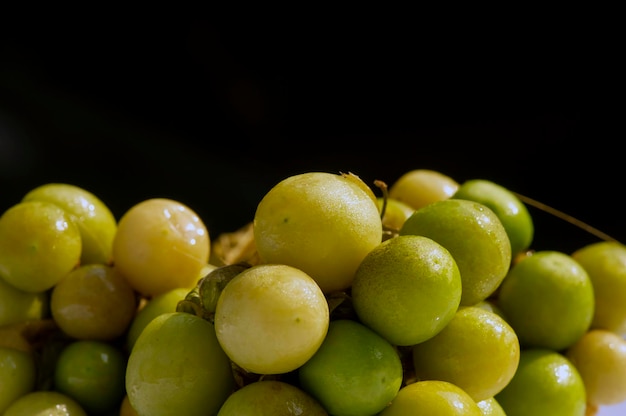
x: 214, y: 109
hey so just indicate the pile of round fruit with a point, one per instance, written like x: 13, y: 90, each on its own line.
x: 424, y: 297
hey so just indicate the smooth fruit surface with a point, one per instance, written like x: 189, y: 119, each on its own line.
x: 271, y: 398
x: 512, y: 212
x: 548, y: 299
x: 354, y: 372
x: 321, y: 223
x: 17, y: 375
x: 475, y: 237
x: 432, y: 397
x: 94, y: 302
x: 407, y: 289
x: 605, y: 262
x: 92, y: 373
x: 420, y: 187
x: 17, y: 306
x: 178, y: 367
x: 161, y: 244
x: 39, y: 244
x: 94, y: 219
x: 545, y: 384
x: 490, y: 407
x: 477, y: 351
x: 271, y: 299
x: 45, y: 403
x: 600, y: 358
x: 163, y: 303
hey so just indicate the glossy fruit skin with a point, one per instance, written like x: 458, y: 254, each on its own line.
x: 477, y: 351
x: 512, y: 212
x: 432, y: 397
x: 92, y: 373
x: 600, y: 358
x: 163, y: 303
x: 178, y: 367
x: 93, y: 302
x: 420, y: 187
x: 455, y: 222
x: 491, y: 407
x: 321, y: 223
x: 548, y: 300
x: 605, y: 262
x: 17, y: 306
x: 39, y: 244
x: 271, y: 398
x: 44, y: 402
x: 161, y: 244
x: 95, y: 221
x: 354, y: 372
x: 545, y: 384
x: 271, y: 299
x: 17, y: 375
x: 407, y: 289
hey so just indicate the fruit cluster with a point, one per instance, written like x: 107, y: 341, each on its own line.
x: 424, y: 297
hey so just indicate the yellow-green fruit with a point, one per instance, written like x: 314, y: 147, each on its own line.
x: 273, y: 300
x: 600, y: 358
x: 93, y: 217
x: 271, y: 398
x: 45, y: 402
x: 39, y: 245
x: 321, y: 223
x: 396, y: 212
x: 475, y: 237
x: 477, y: 351
x: 93, y: 302
x: 508, y: 207
x: 178, y: 367
x: 545, y: 384
x: 420, y: 187
x: 548, y: 300
x: 160, y: 304
x: 18, y: 374
x: 354, y: 372
x: 407, y: 289
x: 491, y: 407
x: 18, y: 306
x: 432, y: 397
x: 605, y: 262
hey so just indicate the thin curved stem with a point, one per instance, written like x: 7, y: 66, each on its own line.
x: 566, y: 217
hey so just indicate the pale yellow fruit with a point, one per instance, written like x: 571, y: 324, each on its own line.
x: 605, y: 262
x: 321, y: 223
x: 600, y: 357
x: 161, y: 244
x: 420, y: 187
x: 271, y: 318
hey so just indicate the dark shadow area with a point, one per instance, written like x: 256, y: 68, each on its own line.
x: 213, y: 111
